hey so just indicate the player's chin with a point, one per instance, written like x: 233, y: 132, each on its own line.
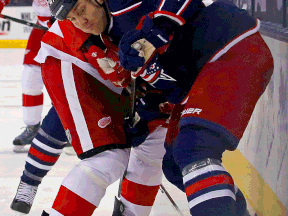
x: 89, y: 31
x: 97, y: 29
x: 93, y: 31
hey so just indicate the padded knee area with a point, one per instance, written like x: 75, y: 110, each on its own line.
x: 31, y: 80
x: 195, y: 143
x: 81, y: 181
x: 108, y: 165
x: 90, y: 177
x: 241, y: 204
x: 171, y: 170
x: 145, y: 172
x: 145, y: 164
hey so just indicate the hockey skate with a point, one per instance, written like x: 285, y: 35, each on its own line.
x: 24, y: 198
x: 25, y: 138
x: 44, y: 214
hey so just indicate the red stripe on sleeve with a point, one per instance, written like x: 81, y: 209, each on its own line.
x: 32, y: 100
x: 69, y: 203
x: 139, y: 194
x: 41, y: 156
x: 118, y: 13
x: 183, y: 9
x: 160, y: 5
x: 214, y: 180
x: 172, y: 16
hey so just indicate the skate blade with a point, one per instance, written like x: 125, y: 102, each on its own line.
x: 18, y: 213
x: 21, y: 149
x: 69, y: 151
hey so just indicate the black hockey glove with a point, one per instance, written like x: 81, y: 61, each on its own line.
x: 148, y: 109
x: 137, y: 135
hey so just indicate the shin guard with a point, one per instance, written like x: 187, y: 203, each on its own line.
x: 209, y: 188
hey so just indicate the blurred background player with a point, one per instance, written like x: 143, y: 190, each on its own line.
x: 3, y: 3
x: 31, y: 79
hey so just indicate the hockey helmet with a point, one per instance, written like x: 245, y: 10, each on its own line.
x: 60, y: 8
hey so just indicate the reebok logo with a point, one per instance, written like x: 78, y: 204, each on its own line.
x: 59, y: 10
x: 161, y: 38
x: 191, y: 111
x: 102, y: 123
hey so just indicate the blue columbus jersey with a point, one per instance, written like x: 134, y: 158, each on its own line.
x: 201, y: 33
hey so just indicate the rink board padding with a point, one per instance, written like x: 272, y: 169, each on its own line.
x: 257, y: 192
x: 15, y: 44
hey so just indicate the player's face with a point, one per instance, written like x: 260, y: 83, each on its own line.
x: 88, y: 16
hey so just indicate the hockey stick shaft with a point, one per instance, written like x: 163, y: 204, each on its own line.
x: 23, y: 22
x: 147, y: 51
x: 133, y: 99
x: 162, y: 188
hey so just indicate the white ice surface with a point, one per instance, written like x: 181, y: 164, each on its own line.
x: 12, y: 164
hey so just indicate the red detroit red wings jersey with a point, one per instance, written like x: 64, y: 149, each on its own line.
x: 88, y: 105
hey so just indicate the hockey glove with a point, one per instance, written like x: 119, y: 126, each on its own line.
x: 3, y: 3
x: 166, y: 108
x: 137, y: 135
x: 108, y: 65
x: 129, y: 57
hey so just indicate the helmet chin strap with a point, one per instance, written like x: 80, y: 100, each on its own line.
x: 107, y: 15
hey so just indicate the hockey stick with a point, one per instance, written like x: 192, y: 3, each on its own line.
x: 138, y: 45
x: 117, y: 203
x: 132, y: 92
x: 23, y: 22
x: 148, y: 51
x: 177, y: 209
x: 141, y: 46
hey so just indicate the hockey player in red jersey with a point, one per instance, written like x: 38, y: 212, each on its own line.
x: 210, y: 60
x: 93, y: 115
x: 31, y: 79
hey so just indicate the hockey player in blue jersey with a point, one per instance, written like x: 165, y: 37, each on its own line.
x: 209, y: 60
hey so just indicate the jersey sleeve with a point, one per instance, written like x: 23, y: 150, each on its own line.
x: 177, y: 10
